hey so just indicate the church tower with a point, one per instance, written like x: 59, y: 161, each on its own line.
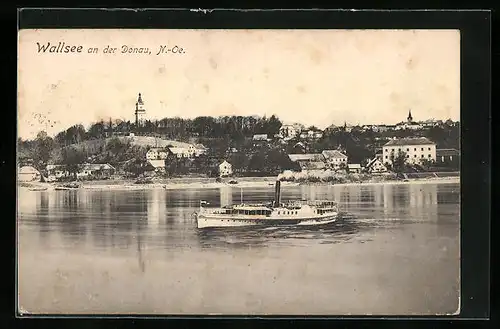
x: 410, y: 118
x: 140, y: 111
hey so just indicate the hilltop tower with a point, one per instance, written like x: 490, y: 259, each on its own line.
x: 410, y: 118
x: 140, y: 111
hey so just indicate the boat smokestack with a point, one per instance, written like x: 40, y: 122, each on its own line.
x: 277, y: 194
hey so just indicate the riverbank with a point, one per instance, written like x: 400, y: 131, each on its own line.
x: 244, y: 182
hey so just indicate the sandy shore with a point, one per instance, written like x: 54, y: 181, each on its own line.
x: 169, y: 185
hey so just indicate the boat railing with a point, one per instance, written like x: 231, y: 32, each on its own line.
x: 315, y: 203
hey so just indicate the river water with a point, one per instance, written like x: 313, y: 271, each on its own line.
x: 395, y: 251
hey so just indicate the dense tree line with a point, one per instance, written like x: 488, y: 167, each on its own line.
x: 227, y: 137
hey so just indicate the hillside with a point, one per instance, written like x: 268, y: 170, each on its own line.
x: 153, y: 142
x: 98, y: 146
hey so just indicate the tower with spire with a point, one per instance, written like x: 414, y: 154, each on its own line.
x: 410, y: 118
x: 140, y: 111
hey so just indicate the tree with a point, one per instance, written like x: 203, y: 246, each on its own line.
x: 273, y: 125
x: 257, y: 162
x: 398, y: 161
x: 72, y: 159
x: 117, y: 146
x: 239, y: 161
x: 97, y: 130
x: 137, y: 166
x: 43, y: 146
x: 343, y: 167
x: 426, y: 163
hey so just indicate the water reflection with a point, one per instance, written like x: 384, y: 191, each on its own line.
x: 401, y: 240
x: 251, y: 237
x: 159, y: 218
x: 226, y: 196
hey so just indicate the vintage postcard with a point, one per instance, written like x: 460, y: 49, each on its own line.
x: 238, y: 172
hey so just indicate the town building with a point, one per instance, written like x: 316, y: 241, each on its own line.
x: 299, y: 147
x: 415, y: 149
x: 288, y: 132
x: 199, y: 149
x: 431, y: 123
x: 308, y: 161
x: 28, y: 174
x: 334, y: 158
x: 260, y: 137
x: 312, y: 133
x: 157, y: 164
x: 180, y: 152
x: 332, y: 129
x: 86, y: 170
x: 157, y: 154
x: 408, y: 124
x: 225, y: 169
x: 56, y: 171
x: 140, y: 111
x: 354, y: 168
x: 190, y: 151
x: 347, y: 128
x: 95, y: 170
x: 447, y: 156
x: 376, y: 166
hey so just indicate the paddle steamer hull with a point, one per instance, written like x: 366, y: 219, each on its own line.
x: 207, y: 221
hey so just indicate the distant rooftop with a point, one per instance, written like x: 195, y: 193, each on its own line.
x: 157, y: 163
x: 177, y: 150
x: 447, y: 152
x: 330, y: 154
x: 409, y: 141
x: 260, y: 137
x: 372, y: 161
x: 306, y: 157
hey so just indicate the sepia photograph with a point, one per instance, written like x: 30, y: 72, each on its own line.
x: 238, y: 172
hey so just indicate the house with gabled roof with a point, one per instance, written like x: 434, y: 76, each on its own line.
x: 308, y: 161
x: 334, y: 158
x: 376, y: 166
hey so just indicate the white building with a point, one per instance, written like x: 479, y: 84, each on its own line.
x: 260, y: 137
x: 189, y: 151
x: 157, y: 154
x: 225, y: 169
x: 85, y: 170
x: 308, y: 161
x: 335, y: 158
x: 376, y: 166
x: 311, y: 134
x: 180, y: 152
x: 56, y: 171
x: 288, y: 132
x: 157, y: 164
x: 415, y: 149
x: 447, y: 155
x: 199, y: 149
x: 28, y: 174
x: 95, y: 169
x: 354, y: 167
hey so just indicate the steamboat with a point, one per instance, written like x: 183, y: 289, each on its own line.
x: 274, y: 213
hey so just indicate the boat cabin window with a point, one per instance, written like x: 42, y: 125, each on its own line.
x: 251, y: 212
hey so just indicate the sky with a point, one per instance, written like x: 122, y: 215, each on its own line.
x: 313, y: 77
